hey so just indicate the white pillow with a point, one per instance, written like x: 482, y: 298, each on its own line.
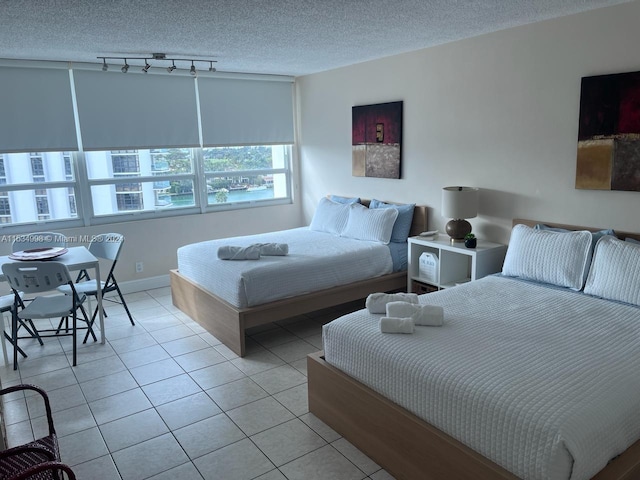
x: 374, y: 225
x: 330, y: 217
x: 551, y: 257
x: 615, y: 271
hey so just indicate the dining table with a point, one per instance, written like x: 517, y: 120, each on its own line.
x: 75, y: 258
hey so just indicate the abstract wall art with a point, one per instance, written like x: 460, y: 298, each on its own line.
x: 376, y: 135
x: 609, y: 133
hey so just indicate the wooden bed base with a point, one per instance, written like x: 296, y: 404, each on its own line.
x: 406, y: 446
x: 228, y: 323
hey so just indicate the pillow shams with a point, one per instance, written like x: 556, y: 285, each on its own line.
x: 373, y: 225
x: 615, y: 271
x: 402, y: 227
x: 330, y: 217
x: 551, y: 257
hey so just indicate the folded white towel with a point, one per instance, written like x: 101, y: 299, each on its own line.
x: 425, y: 315
x: 396, y: 325
x: 229, y: 252
x: 376, y: 302
x: 272, y: 248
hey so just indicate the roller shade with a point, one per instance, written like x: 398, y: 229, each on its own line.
x: 129, y: 111
x: 36, y: 110
x: 245, y: 112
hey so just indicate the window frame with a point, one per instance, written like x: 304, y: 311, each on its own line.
x: 79, y: 186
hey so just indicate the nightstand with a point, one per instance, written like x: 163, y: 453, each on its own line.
x: 454, y: 263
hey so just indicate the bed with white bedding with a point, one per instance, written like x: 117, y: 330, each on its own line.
x: 347, y: 252
x: 315, y: 261
x: 524, y: 380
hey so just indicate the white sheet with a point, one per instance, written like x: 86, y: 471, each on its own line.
x: 542, y: 381
x: 316, y: 261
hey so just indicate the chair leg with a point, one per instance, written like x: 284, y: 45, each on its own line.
x: 89, y: 325
x: 73, y: 335
x: 124, y: 304
x: 4, y: 342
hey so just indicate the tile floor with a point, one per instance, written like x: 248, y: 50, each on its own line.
x: 164, y: 399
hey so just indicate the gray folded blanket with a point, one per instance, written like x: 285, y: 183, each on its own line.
x: 229, y: 252
x: 273, y: 249
x: 252, y: 252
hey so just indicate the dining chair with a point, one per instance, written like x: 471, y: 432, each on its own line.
x: 38, y: 240
x: 39, y: 459
x: 39, y: 277
x: 105, y: 246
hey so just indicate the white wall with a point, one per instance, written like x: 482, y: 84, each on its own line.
x: 499, y: 112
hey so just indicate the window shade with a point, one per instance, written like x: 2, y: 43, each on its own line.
x: 128, y: 111
x: 37, y: 110
x: 245, y: 112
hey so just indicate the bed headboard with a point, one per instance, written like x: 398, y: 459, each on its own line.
x: 532, y: 223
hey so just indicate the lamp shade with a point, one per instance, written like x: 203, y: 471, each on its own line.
x: 459, y: 202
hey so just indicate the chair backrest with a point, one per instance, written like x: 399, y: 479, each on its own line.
x: 107, y: 246
x: 36, y: 277
x: 38, y: 240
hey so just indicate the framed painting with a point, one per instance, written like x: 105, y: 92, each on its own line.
x: 609, y: 133
x: 376, y: 140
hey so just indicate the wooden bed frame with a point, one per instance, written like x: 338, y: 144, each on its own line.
x: 228, y: 323
x: 406, y: 446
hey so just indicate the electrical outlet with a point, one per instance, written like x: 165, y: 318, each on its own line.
x: 139, y: 267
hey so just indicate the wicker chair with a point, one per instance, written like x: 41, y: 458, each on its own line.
x: 37, y: 460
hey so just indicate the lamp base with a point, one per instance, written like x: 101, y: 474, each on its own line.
x: 457, y: 229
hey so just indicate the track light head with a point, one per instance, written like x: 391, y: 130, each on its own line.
x: 211, y: 67
x: 146, y: 67
x: 125, y: 67
x: 105, y: 67
x: 172, y: 67
x: 192, y: 70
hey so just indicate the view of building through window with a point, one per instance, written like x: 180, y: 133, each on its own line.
x: 125, y: 181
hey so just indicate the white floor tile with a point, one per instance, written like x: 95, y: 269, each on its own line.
x: 188, y: 410
x: 238, y: 461
x: 208, y: 435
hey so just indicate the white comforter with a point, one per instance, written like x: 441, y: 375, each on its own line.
x: 316, y: 261
x: 542, y: 381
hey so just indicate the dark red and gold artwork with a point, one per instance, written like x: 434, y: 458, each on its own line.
x: 376, y: 140
x: 609, y: 133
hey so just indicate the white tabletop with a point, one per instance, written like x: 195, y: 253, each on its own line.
x: 76, y: 258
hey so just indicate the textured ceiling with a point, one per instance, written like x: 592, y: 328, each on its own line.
x: 291, y: 37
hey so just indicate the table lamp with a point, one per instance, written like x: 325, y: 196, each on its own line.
x: 459, y: 203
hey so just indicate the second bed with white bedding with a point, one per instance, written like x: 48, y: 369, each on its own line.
x: 541, y: 380
x: 316, y: 260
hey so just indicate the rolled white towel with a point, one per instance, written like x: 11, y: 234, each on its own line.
x: 423, y: 315
x: 229, y: 252
x: 377, y: 302
x: 273, y: 249
x: 396, y: 325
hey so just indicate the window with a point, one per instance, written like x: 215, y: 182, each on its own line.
x: 246, y: 174
x: 141, y: 182
x: 20, y: 200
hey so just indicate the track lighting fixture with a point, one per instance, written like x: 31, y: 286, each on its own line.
x: 155, y: 57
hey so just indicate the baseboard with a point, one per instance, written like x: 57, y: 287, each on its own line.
x: 132, y: 286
